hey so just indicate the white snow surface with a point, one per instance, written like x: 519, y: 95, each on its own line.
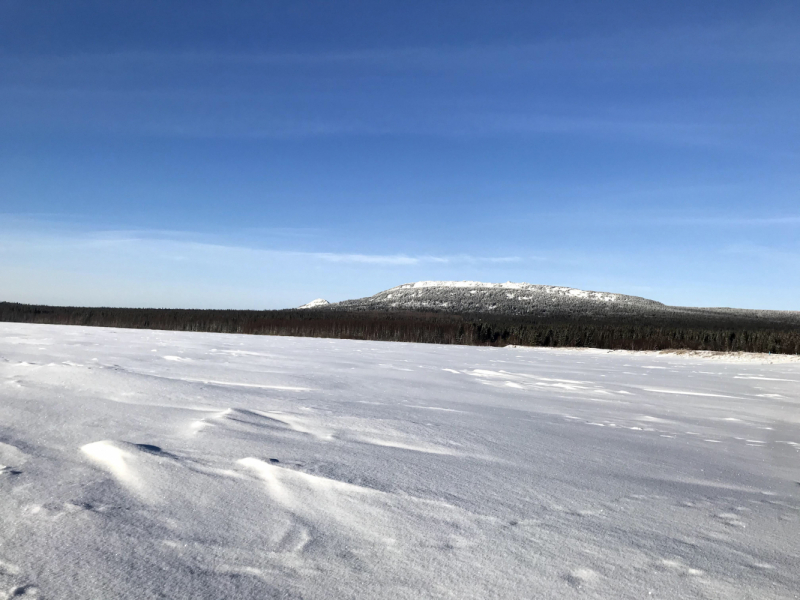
x: 268, y: 467
x: 315, y: 303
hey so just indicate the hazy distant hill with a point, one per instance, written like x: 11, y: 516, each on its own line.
x: 525, y: 299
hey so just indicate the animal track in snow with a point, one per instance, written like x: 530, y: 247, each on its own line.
x: 581, y: 578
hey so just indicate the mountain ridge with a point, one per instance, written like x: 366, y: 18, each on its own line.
x: 526, y: 299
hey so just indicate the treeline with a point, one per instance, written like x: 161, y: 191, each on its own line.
x: 650, y: 333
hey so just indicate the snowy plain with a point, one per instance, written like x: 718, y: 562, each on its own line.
x: 148, y: 464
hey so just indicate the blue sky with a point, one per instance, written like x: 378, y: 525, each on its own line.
x: 262, y: 154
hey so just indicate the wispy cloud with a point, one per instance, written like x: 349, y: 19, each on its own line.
x: 659, y: 219
x: 183, y: 246
x: 402, y: 259
x: 765, y: 253
x: 703, y: 221
x: 741, y: 221
x: 190, y: 94
x: 762, y: 41
x: 185, y: 114
x: 156, y: 268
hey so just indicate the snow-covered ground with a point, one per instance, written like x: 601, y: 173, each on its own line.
x: 145, y: 464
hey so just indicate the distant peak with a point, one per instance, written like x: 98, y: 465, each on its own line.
x: 315, y: 303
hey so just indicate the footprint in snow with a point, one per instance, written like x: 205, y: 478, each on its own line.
x: 24, y: 591
x: 579, y: 578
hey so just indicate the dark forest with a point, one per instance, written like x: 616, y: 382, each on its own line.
x: 731, y: 334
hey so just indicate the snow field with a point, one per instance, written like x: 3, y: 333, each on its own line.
x: 146, y: 464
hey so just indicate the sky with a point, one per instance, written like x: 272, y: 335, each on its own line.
x: 263, y: 154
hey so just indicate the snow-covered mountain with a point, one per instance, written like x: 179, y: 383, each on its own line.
x: 474, y: 297
x: 318, y: 303
x: 505, y: 298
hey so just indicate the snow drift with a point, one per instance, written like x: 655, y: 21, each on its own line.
x: 145, y: 464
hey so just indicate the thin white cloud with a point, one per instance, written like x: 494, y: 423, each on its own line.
x: 662, y: 220
x: 718, y: 221
x: 173, y: 245
x: 162, y: 94
x: 743, y: 221
x: 370, y: 259
x: 764, y: 253
x: 402, y: 259
x: 59, y: 265
x: 762, y: 41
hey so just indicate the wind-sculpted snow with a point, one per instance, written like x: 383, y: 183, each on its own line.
x: 143, y: 464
